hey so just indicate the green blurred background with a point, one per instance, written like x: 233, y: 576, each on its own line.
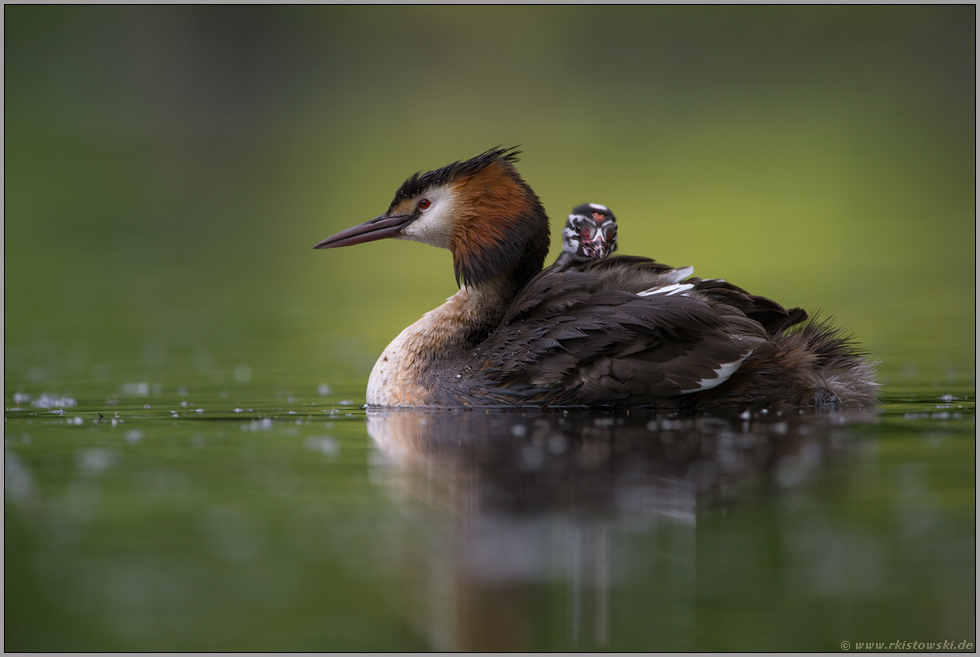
x: 168, y: 170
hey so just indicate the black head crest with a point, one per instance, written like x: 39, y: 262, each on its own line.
x: 419, y: 182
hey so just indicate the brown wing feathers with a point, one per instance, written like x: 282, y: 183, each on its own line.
x: 566, y: 340
x: 589, y: 339
x: 770, y: 314
x: 637, y: 273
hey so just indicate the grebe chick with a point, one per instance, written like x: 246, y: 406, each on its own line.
x: 626, y: 332
x: 589, y: 235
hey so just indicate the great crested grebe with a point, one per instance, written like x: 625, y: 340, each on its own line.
x: 625, y: 332
x: 589, y: 234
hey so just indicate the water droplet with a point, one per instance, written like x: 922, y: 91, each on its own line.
x: 95, y: 460
x: 531, y: 457
x: 51, y: 401
x: 324, y: 444
x: 557, y: 444
x: 203, y: 360
x: 142, y: 388
x: 155, y: 354
x: 243, y: 373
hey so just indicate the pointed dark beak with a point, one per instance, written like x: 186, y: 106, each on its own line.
x: 377, y: 229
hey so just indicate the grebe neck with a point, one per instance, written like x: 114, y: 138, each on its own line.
x: 415, y: 367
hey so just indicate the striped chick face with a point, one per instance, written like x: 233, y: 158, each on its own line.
x: 590, y: 233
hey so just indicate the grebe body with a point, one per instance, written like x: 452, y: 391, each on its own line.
x: 621, y: 331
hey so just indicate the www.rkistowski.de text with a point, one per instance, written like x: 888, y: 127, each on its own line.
x: 907, y: 645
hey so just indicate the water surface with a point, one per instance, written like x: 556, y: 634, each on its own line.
x: 178, y: 521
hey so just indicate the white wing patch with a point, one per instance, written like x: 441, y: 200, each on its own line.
x: 722, y: 374
x: 677, y: 275
x: 667, y: 290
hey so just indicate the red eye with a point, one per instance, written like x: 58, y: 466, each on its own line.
x: 424, y: 203
x: 586, y: 233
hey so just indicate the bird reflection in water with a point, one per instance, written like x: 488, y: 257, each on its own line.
x: 517, y: 505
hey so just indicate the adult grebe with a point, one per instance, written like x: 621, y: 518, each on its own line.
x: 625, y: 332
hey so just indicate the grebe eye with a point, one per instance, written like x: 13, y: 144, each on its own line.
x: 424, y: 204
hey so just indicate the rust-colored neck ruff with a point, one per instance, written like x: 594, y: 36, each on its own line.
x: 500, y: 227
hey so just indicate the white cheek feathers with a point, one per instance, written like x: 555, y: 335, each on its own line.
x: 435, y: 225
x: 569, y: 238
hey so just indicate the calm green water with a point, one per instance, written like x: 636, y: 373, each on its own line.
x: 202, y: 520
x: 187, y: 463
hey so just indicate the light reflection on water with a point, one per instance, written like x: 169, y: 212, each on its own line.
x: 553, y: 498
x: 300, y: 522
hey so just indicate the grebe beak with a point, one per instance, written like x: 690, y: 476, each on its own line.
x: 377, y: 229
x: 597, y: 247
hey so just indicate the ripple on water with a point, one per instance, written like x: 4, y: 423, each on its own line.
x: 601, y: 511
